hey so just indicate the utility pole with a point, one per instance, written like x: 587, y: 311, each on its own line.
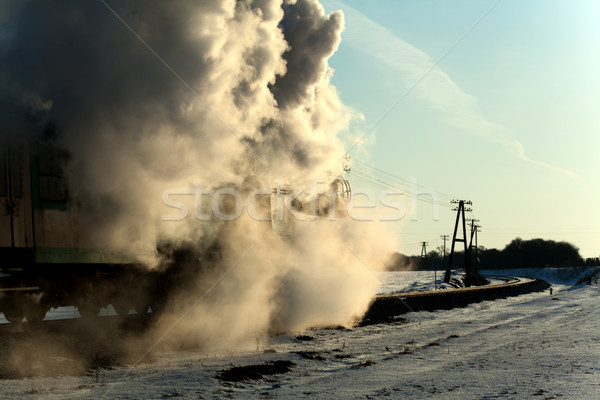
x: 460, y: 211
x: 444, y: 238
x: 474, y: 226
x: 474, y: 229
x: 424, y: 249
x: 476, y: 259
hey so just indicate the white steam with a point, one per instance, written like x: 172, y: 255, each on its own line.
x: 149, y: 96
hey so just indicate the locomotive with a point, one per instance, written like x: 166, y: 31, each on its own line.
x: 47, y: 260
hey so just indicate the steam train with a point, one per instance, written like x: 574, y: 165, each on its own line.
x: 47, y: 260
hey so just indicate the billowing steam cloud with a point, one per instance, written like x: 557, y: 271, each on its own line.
x: 149, y: 96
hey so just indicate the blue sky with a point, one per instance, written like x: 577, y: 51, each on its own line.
x: 495, y: 102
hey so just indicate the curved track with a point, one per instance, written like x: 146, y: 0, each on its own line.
x: 385, y: 308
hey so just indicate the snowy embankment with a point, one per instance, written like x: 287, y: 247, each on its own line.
x: 561, y: 277
x: 516, y: 348
x: 413, y: 281
x: 420, y: 281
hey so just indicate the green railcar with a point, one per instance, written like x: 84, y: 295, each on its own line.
x: 49, y: 256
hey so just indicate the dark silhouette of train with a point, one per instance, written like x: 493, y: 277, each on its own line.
x: 47, y: 259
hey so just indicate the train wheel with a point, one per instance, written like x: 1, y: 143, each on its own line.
x: 142, y: 303
x: 158, y: 305
x: 36, y: 313
x: 121, y: 307
x: 142, y: 308
x: 14, y: 316
x: 88, y: 310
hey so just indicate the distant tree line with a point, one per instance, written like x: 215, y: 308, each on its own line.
x: 519, y: 253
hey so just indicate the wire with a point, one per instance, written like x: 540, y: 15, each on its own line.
x: 363, y: 165
x: 377, y: 177
x: 385, y: 185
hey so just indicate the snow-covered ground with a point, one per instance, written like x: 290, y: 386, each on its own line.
x: 537, y: 346
x: 412, y: 281
x: 560, y: 277
x: 419, y: 281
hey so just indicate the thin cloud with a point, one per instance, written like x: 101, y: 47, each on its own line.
x: 459, y: 109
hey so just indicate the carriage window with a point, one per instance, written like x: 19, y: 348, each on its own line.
x: 3, y: 180
x: 53, y: 184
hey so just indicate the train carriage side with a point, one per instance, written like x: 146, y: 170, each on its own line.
x: 45, y: 259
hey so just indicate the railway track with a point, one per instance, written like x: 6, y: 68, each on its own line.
x: 385, y: 308
x: 507, y: 279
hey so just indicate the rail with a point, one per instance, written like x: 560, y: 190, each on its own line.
x: 387, y: 307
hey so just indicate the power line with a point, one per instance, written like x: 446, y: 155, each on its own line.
x: 384, y: 184
x: 389, y: 176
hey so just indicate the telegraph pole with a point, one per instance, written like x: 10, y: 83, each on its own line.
x: 444, y: 238
x: 424, y: 249
x: 476, y: 248
x: 460, y: 211
x: 474, y: 227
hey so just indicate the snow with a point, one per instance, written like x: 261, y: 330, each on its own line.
x: 419, y: 281
x: 540, y: 345
x: 412, y: 281
x: 561, y: 277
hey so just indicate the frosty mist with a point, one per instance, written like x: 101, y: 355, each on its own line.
x: 212, y: 92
